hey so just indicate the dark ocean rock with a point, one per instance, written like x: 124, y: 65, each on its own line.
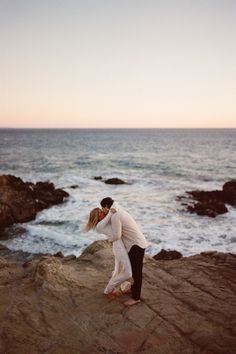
x: 74, y: 186
x: 211, y: 208
x: 20, y: 201
x: 211, y: 203
x: 164, y: 255
x: 59, y: 254
x: 114, y: 181
x: 98, y: 178
x: 229, y: 190
x: 230, y: 186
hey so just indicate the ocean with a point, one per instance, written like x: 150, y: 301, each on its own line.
x: 157, y: 164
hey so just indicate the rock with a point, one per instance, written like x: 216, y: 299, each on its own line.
x: 211, y: 203
x: 26, y: 264
x: 95, y: 247
x: 230, y: 186
x: 74, y: 186
x: 17, y: 256
x: 57, y: 306
x: 4, y: 263
x: 229, y: 190
x: 49, y: 272
x: 98, y: 178
x: 6, y: 217
x: 205, y: 196
x: 167, y: 255
x: 20, y: 201
x: 211, y: 208
x: 114, y: 181
x: 59, y: 254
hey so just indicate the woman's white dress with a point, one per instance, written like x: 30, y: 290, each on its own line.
x: 122, y: 270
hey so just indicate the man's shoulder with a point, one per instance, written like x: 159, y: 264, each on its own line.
x: 125, y: 216
x: 121, y: 211
x: 116, y: 215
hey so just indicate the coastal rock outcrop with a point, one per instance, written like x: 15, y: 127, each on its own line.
x: 56, y: 305
x: 97, y: 178
x: 211, y: 203
x: 74, y: 186
x: 114, y: 181
x: 165, y: 255
x: 20, y: 201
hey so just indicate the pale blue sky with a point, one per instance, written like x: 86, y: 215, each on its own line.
x: 118, y: 63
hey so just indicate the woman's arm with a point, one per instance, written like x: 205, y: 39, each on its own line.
x: 116, y: 227
x: 103, y: 222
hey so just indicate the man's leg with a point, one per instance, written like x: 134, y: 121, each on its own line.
x: 136, y: 255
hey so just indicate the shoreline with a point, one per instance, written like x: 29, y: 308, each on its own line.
x: 21, y: 256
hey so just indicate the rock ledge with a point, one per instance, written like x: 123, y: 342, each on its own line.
x: 55, y: 305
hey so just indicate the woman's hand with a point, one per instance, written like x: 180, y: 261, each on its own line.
x: 113, y: 210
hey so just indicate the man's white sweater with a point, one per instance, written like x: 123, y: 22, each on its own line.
x: 123, y: 226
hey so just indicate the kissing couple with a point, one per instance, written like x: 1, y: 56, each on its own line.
x: 129, y: 246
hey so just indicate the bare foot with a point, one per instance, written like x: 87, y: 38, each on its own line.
x: 131, y: 302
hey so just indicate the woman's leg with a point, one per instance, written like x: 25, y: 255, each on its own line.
x: 122, y: 269
x: 120, y: 274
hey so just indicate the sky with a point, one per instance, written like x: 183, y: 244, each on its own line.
x: 118, y: 64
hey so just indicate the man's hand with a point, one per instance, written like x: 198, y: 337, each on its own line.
x: 113, y: 210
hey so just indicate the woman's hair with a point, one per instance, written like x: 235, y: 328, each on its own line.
x: 93, y: 219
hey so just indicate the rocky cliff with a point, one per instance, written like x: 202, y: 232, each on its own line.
x: 55, y: 305
x: 20, y: 201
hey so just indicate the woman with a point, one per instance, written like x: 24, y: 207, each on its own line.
x: 105, y: 224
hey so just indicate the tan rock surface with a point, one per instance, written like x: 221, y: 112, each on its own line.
x: 56, y: 305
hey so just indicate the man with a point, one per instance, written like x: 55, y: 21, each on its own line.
x: 135, y: 244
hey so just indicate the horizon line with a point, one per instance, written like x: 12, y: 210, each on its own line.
x: 103, y: 128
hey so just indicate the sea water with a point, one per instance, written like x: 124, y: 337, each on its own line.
x: 157, y: 164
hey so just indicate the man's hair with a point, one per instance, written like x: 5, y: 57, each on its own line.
x: 107, y: 202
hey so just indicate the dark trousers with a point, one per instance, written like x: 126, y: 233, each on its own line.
x: 136, y: 254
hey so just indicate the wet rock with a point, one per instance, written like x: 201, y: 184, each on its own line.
x: 20, y: 201
x: 211, y: 208
x: 74, y: 186
x: 57, y: 306
x: 230, y: 186
x: 59, y: 254
x: 98, y: 178
x: 167, y: 255
x: 114, y: 181
x: 205, y: 196
x: 211, y: 203
x: 6, y: 217
x: 229, y: 190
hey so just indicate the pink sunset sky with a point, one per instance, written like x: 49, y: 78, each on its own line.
x: 129, y: 64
